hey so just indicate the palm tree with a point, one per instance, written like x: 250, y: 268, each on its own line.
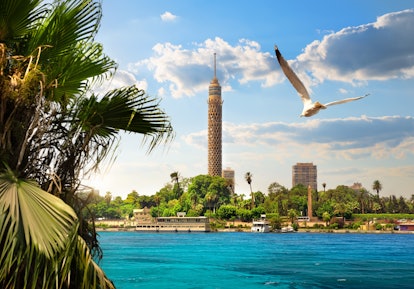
x: 108, y: 198
x: 248, y: 177
x: 211, y: 200
x: 194, y: 199
x: 174, y: 178
x: 56, y: 131
x: 377, y: 186
x: 157, y: 199
x: 324, y: 186
x: 363, y: 198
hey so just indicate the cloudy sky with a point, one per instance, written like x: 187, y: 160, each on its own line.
x: 339, y: 48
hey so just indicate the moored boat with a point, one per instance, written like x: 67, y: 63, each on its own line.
x: 288, y: 229
x: 261, y: 225
x: 175, y: 224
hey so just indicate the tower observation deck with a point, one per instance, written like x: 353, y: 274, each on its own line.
x: 214, y: 126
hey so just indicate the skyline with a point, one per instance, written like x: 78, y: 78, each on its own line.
x: 348, y: 50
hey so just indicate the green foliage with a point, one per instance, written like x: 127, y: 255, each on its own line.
x: 383, y: 216
x: 257, y: 211
x: 292, y: 214
x: 38, y: 233
x: 275, y: 221
x: 245, y: 215
x: 326, y: 217
x: 334, y: 226
x: 226, y: 212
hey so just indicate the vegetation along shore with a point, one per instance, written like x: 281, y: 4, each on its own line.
x: 340, y: 209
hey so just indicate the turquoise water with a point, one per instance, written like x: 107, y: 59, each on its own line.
x: 249, y: 260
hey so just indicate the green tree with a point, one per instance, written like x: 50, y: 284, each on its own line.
x: 292, y: 215
x: 340, y: 209
x: 211, y: 199
x: 259, y: 198
x: 276, y: 222
x: 132, y: 199
x: 219, y: 187
x: 326, y: 217
x: 248, y: 177
x: 199, y: 185
x: 377, y: 186
x: 175, y: 179
x: 363, y: 199
x: 245, y: 215
x: 402, y: 206
x: 209, y: 190
x: 226, y: 212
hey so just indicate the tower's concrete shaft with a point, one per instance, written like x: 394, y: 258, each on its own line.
x: 214, y: 126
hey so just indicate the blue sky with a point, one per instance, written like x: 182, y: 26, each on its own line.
x: 339, y: 48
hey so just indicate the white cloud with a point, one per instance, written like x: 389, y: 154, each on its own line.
x: 168, y: 16
x: 380, y: 50
x: 189, y: 71
x: 350, y: 138
x: 376, y: 51
x: 121, y: 78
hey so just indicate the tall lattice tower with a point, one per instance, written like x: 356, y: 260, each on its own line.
x: 214, y: 125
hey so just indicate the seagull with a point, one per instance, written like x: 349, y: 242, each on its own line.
x: 309, y: 108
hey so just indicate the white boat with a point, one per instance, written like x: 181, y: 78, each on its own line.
x: 261, y: 225
x: 181, y: 223
x: 288, y: 229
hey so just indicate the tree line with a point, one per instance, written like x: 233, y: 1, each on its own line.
x: 212, y: 196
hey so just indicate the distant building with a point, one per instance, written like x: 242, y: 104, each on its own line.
x: 142, y: 215
x: 228, y: 174
x: 305, y: 174
x: 214, y: 125
x: 356, y: 186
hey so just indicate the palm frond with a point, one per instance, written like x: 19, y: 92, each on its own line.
x: 86, y: 268
x: 38, y: 217
x: 67, y: 23
x: 39, y: 241
x: 17, y: 18
x: 127, y: 109
x: 73, y: 71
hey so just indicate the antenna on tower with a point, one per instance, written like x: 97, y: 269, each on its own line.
x: 214, y: 65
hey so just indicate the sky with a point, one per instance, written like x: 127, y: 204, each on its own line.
x: 338, y: 48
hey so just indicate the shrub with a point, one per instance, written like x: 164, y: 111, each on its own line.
x: 334, y: 226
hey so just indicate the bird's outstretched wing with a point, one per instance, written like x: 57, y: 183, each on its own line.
x: 293, y: 78
x: 345, y: 100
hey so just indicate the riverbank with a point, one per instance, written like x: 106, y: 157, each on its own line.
x: 238, y: 226
x: 300, y: 230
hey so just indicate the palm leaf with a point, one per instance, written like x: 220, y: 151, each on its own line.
x: 72, y: 71
x: 34, y: 215
x: 39, y: 241
x: 127, y: 109
x: 17, y: 18
x: 69, y: 22
x: 83, y: 266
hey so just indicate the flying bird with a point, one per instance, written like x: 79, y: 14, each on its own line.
x: 309, y: 108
